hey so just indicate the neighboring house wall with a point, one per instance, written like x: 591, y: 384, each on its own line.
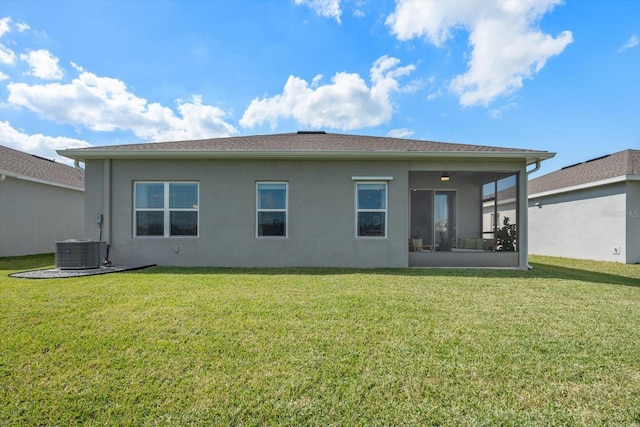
x: 585, y: 224
x: 632, y: 214
x: 33, y: 216
x: 321, y: 213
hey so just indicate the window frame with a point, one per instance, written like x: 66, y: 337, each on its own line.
x: 259, y: 210
x: 166, y: 210
x: 497, y: 214
x: 384, y: 210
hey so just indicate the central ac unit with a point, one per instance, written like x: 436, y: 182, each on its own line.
x: 80, y: 254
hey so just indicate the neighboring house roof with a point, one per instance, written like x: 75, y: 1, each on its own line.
x: 610, y: 168
x: 29, y: 167
x: 303, y: 145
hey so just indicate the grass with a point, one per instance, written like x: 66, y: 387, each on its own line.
x: 557, y: 345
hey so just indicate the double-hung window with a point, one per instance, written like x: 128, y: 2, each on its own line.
x: 271, y: 204
x: 371, y: 209
x: 166, y: 209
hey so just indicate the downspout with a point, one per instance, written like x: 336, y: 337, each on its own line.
x: 535, y: 169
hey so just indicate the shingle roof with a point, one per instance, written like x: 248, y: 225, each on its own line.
x: 622, y: 163
x: 24, y: 165
x: 313, y: 143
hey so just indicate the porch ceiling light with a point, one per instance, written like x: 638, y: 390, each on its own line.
x: 445, y: 176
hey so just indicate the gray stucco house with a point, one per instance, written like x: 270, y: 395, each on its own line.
x: 41, y: 201
x: 590, y: 210
x: 303, y: 199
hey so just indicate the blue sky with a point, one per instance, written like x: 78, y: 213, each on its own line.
x: 547, y: 75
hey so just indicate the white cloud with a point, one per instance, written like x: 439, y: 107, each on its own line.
x: 3, y: 76
x: 400, y: 133
x: 497, y: 113
x: 5, y: 25
x: 43, y: 64
x: 326, y: 8
x: 413, y: 86
x: 316, y: 80
x: 38, y: 144
x: 105, y: 104
x: 346, y: 103
x: 507, y: 46
x: 633, y: 42
x: 7, y: 56
x: 22, y: 27
x: 434, y: 95
x: 359, y: 13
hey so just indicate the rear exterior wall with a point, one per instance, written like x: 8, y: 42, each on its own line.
x: 321, y: 213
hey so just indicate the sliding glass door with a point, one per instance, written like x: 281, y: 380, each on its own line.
x: 445, y: 220
x: 422, y: 216
x: 433, y: 218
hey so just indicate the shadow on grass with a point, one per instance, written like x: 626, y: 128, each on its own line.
x: 27, y: 262
x: 541, y: 270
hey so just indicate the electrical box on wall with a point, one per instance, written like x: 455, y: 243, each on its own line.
x: 98, y: 218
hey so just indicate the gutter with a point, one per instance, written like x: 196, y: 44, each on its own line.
x: 83, y: 154
x: 592, y: 184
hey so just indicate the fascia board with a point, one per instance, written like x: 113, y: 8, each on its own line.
x: 39, y: 181
x: 530, y: 157
x: 614, y: 180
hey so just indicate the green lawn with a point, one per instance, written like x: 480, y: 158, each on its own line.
x: 558, y: 345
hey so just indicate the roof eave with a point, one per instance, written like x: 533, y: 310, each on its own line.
x: 40, y: 181
x: 83, y: 155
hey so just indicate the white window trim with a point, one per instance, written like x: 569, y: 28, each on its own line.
x: 372, y: 178
x: 385, y: 210
x: 285, y: 210
x: 165, y: 209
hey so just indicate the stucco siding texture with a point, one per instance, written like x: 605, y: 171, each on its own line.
x: 34, y: 216
x: 632, y: 215
x: 94, y: 197
x: 584, y: 224
x: 321, y: 214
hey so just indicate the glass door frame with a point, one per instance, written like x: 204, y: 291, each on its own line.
x: 433, y: 226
